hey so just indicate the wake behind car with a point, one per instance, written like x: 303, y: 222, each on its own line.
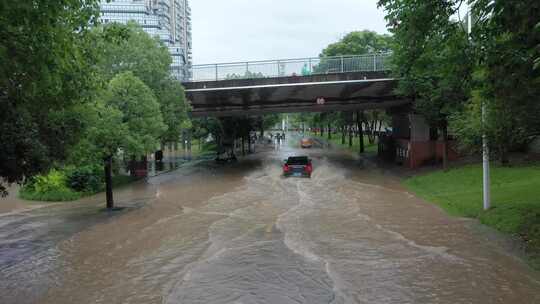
x: 298, y: 166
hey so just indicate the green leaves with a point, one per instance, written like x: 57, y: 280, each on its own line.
x: 129, y: 48
x: 141, y: 118
x: 46, y: 68
x: 174, y: 108
x: 435, y: 61
x: 359, y: 43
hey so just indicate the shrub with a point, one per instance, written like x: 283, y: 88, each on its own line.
x: 87, y: 178
x: 49, y: 187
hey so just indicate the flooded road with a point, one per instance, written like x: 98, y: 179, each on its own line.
x: 244, y: 234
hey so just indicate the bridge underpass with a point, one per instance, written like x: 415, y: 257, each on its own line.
x: 347, y: 84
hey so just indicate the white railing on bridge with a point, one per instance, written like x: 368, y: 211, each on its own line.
x: 290, y: 67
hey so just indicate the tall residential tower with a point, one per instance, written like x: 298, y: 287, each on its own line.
x: 168, y: 19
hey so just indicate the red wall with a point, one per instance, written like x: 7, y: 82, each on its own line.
x: 421, y: 152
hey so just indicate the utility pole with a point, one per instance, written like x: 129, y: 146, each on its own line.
x: 485, y: 144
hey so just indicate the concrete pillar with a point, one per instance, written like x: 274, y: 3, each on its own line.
x: 400, y: 126
x: 419, y: 128
x: 421, y: 149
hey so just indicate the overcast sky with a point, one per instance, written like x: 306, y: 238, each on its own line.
x: 240, y: 30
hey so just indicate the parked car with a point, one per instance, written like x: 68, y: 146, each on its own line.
x: 306, y: 143
x: 298, y: 166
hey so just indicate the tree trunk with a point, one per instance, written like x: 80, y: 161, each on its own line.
x: 132, y: 166
x: 108, y: 182
x: 249, y: 143
x: 370, y: 126
x: 360, y: 131
x: 189, y: 144
x: 445, y: 148
x: 350, y: 136
x: 243, y: 146
x: 505, y: 161
x: 329, y: 132
x: 343, y: 135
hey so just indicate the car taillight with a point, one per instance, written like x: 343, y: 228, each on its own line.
x: 285, y: 168
x: 309, y: 168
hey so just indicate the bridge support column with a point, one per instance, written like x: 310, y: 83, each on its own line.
x: 359, y: 116
x: 411, y: 136
x: 421, y: 149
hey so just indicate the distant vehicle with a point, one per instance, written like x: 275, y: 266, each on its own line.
x: 298, y: 166
x: 306, y: 143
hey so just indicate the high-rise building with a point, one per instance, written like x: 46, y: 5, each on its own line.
x: 170, y: 20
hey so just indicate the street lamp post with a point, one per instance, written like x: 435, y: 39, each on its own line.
x: 485, y: 144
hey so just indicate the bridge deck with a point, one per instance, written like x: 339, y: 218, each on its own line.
x: 355, y: 85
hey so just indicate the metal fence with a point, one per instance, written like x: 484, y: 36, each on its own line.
x: 290, y: 67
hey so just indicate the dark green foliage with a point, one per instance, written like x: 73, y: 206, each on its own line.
x: 431, y: 56
x: 130, y: 48
x: 87, y: 178
x: 140, y: 115
x: 359, y: 43
x: 174, y: 109
x: 436, y: 60
x: 46, y: 67
x: 506, y: 39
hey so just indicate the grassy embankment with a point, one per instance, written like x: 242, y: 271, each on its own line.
x: 515, y: 195
x: 336, y: 141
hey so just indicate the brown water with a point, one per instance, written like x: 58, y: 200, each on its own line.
x: 243, y: 234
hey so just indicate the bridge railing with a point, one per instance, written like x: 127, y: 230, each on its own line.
x: 290, y: 67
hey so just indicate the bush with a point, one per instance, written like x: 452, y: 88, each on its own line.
x: 50, y: 187
x: 68, y: 184
x: 87, y: 178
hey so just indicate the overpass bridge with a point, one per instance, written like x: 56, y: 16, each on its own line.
x: 344, y: 83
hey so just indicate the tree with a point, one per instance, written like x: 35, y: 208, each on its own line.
x: 47, y: 68
x: 127, y: 47
x: 431, y: 57
x: 507, y: 83
x: 354, y: 43
x: 174, y: 109
x: 373, y: 121
x: 104, y: 139
x: 129, y: 119
x: 359, y: 43
x: 267, y: 121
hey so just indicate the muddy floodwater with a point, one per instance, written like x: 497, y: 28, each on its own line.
x: 244, y: 234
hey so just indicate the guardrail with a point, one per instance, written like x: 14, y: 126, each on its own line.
x: 290, y: 67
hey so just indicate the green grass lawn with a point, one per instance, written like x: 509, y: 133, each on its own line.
x: 336, y: 141
x: 515, y: 195
x: 201, y: 149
